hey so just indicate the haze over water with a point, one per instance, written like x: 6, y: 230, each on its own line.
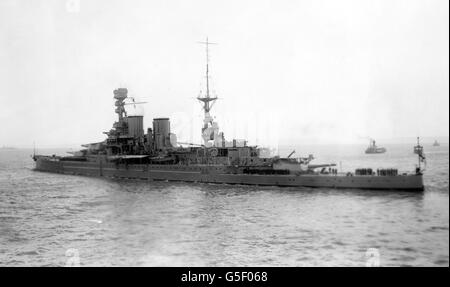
x: 124, y: 222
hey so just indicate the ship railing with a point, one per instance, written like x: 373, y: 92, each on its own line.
x: 352, y: 173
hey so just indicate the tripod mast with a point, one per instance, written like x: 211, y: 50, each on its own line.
x: 207, y: 98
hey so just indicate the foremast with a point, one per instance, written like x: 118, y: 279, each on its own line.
x: 210, y: 129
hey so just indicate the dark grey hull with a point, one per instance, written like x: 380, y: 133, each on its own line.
x: 216, y: 175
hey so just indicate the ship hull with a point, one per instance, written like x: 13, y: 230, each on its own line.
x: 207, y: 174
x: 375, y: 151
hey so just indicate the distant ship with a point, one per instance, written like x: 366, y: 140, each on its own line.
x: 436, y: 143
x: 129, y: 152
x: 7, y: 148
x: 372, y: 148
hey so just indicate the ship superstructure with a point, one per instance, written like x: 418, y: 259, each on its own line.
x: 154, y: 154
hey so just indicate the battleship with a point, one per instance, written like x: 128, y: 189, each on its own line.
x: 130, y: 152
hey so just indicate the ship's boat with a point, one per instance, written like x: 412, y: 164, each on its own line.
x: 155, y: 154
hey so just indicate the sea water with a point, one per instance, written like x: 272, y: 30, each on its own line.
x: 57, y: 220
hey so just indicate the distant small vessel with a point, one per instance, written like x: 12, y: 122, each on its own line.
x: 372, y: 148
x: 436, y: 143
x: 7, y: 148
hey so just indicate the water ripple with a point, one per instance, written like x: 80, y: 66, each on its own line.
x: 125, y: 222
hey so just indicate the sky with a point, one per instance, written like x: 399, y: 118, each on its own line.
x: 285, y: 71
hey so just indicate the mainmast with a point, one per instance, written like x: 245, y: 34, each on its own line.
x: 420, y: 154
